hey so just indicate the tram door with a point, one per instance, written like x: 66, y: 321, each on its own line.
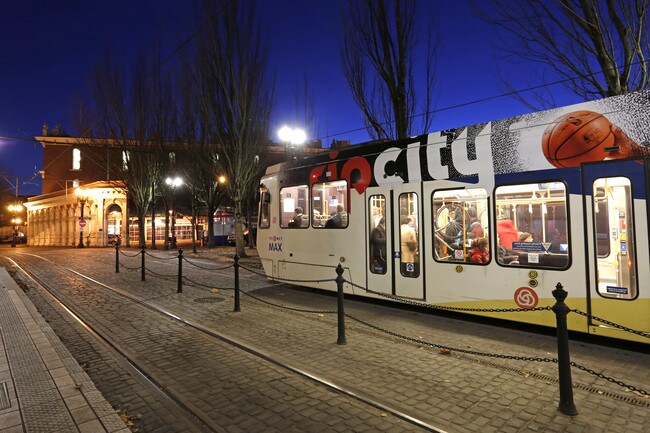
x: 379, y: 268
x: 394, y: 215
x: 617, y: 228
x: 407, y: 242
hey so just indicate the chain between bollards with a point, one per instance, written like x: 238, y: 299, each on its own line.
x: 236, y: 266
x: 180, y: 271
x: 142, y: 264
x: 341, y: 313
x: 561, y: 310
x: 117, y: 257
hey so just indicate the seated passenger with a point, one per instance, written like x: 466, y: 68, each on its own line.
x: 297, y: 218
x: 338, y: 218
x: 481, y: 251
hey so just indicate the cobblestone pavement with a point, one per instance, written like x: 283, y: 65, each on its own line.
x: 459, y: 392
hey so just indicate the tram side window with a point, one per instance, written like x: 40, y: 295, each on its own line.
x: 294, y: 207
x: 532, y: 227
x: 377, y: 234
x: 615, y: 238
x: 460, y: 226
x: 329, y: 204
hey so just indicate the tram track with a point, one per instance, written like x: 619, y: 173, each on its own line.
x: 180, y: 410
x: 198, y: 419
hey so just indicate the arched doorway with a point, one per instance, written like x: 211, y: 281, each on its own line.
x: 113, y: 222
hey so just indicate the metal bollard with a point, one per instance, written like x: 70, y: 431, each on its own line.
x: 117, y: 258
x: 561, y: 310
x: 180, y: 271
x: 341, y: 312
x: 142, y: 264
x: 236, y: 266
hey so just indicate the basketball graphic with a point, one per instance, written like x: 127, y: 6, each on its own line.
x: 577, y: 137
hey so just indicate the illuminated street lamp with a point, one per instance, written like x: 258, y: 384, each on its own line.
x: 82, y: 196
x: 293, y: 138
x: 15, y: 221
x: 173, y: 183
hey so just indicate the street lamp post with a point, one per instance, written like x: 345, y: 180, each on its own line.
x: 82, y: 196
x: 173, y: 183
x: 15, y: 208
x: 292, y: 138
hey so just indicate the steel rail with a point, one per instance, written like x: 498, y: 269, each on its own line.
x: 195, y: 422
x: 266, y: 356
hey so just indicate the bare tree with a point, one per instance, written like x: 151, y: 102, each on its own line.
x: 202, y: 165
x: 234, y: 95
x: 379, y: 57
x: 136, y: 116
x: 599, y: 48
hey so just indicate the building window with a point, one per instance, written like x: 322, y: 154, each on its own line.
x: 76, y: 159
x: 125, y: 160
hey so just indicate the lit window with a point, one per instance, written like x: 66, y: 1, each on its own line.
x: 125, y: 160
x: 409, y: 235
x: 76, y: 159
x: 615, y: 238
x: 294, y: 207
x: 460, y: 226
x: 329, y: 204
x: 532, y: 225
x: 377, y: 234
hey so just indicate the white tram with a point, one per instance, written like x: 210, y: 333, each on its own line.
x: 557, y: 196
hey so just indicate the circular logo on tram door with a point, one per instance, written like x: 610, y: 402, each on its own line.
x: 525, y: 297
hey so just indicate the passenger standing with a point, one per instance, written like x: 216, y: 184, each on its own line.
x: 409, y: 240
x: 475, y: 230
x: 378, y: 246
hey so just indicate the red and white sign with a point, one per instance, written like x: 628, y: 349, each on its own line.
x: 82, y: 223
x: 525, y: 297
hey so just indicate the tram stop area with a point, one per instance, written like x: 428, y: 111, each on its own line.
x: 430, y: 371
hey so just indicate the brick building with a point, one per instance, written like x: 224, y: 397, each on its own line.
x: 54, y: 217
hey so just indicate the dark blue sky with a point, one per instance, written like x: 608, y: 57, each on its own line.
x: 49, y: 48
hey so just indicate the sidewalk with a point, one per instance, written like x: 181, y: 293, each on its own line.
x: 42, y: 388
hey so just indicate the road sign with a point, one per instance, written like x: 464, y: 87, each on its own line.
x: 82, y: 223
